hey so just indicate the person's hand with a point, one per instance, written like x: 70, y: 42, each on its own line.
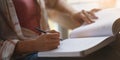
x: 95, y: 10
x: 85, y: 16
x: 44, y: 42
x: 48, y: 41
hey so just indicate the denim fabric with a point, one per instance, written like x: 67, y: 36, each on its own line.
x: 31, y: 57
x: 34, y: 56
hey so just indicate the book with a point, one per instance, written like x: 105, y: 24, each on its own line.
x: 89, y: 38
x: 101, y: 27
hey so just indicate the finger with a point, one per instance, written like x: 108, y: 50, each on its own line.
x: 52, y: 35
x: 51, y: 46
x: 84, y: 18
x: 48, y: 37
x: 54, y: 43
x: 57, y: 39
x: 53, y: 31
x: 95, y: 10
x: 52, y: 39
x: 47, y: 48
x: 87, y: 16
x: 93, y: 16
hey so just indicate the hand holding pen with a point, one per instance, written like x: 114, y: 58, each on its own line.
x: 52, y: 31
x: 47, y: 41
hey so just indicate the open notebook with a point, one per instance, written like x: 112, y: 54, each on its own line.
x: 90, y: 38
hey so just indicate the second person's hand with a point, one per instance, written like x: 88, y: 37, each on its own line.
x: 85, y: 16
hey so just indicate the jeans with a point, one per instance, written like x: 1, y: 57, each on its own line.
x: 34, y: 56
x: 31, y: 57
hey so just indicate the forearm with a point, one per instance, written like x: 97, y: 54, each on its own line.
x: 24, y: 47
x: 62, y: 6
x: 44, y: 42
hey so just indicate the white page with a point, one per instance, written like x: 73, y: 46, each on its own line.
x: 102, y: 26
x: 75, y: 47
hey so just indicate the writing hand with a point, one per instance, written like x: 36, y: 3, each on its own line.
x: 48, y: 41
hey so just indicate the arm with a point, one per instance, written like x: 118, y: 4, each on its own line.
x: 62, y: 6
x: 43, y: 43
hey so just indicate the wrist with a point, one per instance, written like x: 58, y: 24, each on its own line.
x: 24, y: 47
x: 73, y: 12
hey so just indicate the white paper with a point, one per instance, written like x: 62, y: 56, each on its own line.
x: 74, y: 47
x: 102, y: 26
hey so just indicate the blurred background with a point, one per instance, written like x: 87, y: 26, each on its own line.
x: 89, y: 4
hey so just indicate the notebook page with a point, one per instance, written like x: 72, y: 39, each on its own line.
x: 73, y: 47
x: 101, y: 27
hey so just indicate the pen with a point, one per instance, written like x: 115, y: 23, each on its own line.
x: 43, y: 31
